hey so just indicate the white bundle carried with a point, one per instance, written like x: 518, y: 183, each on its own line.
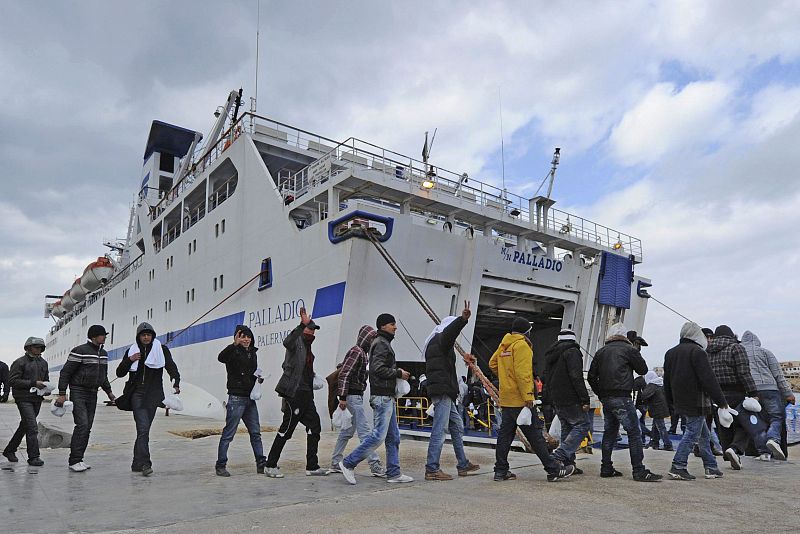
x: 525, y: 417
x: 319, y: 382
x: 255, y: 393
x: 46, y: 390
x: 726, y: 416
x: 402, y: 388
x: 751, y: 405
x: 173, y: 403
x: 59, y: 411
x: 555, y: 427
x: 430, y: 411
x: 342, y: 419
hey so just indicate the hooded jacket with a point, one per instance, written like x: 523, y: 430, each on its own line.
x: 25, y: 372
x: 652, y: 396
x: 4, y: 384
x: 440, y: 360
x: 294, y: 363
x: 512, y: 362
x: 563, y: 375
x: 611, y: 371
x: 146, y: 380
x: 86, y: 367
x: 764, y: 367
x: 352, y: 378
x: 240, y: 366
x: 383, y: 371
x: 730, y: 364
x: 689, y: 380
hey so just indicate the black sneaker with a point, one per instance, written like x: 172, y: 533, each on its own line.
x: 11, y: 457
x: 696, y: 451
x: 565, y: 472
x: 647, y: 476
x: 610, y: 474
x: 260, y: 469
x: 500, y: 477
x: 713, y: 472
x: 147, y: 470
x: 578, y: 471
x: 681, y: 474
x: 36, y: 462
x: 221, y: 472
x: 136, y: 469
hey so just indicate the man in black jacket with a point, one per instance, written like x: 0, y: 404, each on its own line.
x: 565, y: 389
x: 442, y: 387
x: 296, y: 387
x: 28, y: 372
x: 85, y: 371
x: 4, y: 384
x: 611, y: 378
x: 688, y: 384
x: 383, y: 375
x: 241, y: 365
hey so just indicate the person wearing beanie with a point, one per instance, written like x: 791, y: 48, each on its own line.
x: 296, y: 388
x: 731, y: 366
x: 241, y: 366
x: 383, y: 375
x: 512, y: 363
x: 85, y: 370
x: 144, y: 363
x: 27, y: 372
x: 565, y: 389
x: 611, y: 378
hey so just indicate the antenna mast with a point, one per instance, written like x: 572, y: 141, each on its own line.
x: 502, y: 148
x: 254, y: 98
x: 552, y: 175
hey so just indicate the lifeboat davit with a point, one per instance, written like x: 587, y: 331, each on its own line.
x: 77, y: 292
x: 58, y: 310
x: 97, y: 274
x: 67, y: 302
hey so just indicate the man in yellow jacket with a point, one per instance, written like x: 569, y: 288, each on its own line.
x: 512, y: 362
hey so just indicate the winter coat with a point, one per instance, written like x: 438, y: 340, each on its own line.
x: 440, y: 361
x: 730, y: 364
x: 512, y: 362
x: 4, y: 383
x: 688, y: 378
x: 563, y: 375
x: 240, y: 365
x: 653, y: 398
x: 25, y: 372
x: 145, y: 380
x: 764, y: 367
x: 352, y: 379
x: 294, y: 365
x: 383, y: 372
x: 611, y: 372
x: 86, y: 367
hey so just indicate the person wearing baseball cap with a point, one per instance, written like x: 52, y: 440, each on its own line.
x: 85, y: 371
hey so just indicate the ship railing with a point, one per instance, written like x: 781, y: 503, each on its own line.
x: 221, y: 193
x: 194, y: 216
x: 171, y: 235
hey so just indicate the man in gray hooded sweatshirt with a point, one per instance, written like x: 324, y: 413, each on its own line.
x: 773, y: 392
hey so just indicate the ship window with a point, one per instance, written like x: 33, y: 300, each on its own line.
x: 170, y: 304
x: 215, y: 283
x: 112, y: 334
x: 220, y: 281
x: 216, y: 230
x: 187, y: 296
x: 103, y: 310
x: 83, y: 321
x: 166, y: 163
x: 223, y: 226
x: 165, y: 306
x: 194, y: 245
x: 192, y: 294
x: 190, y: 249
x: 265, y: 280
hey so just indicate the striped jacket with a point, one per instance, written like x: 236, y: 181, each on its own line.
x: 86, y: 367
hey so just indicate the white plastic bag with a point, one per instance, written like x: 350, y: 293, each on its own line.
x: 751, y: 404
x: 430, y: 411
x: 60, y: 411
x: 402, y: 388
x: 525, y: 417
x: 319, y: 382
x: 46, y: 390
x: 555, y: 427
x: 255, y: 393
x: 173, y: 403
x: 342, y: 419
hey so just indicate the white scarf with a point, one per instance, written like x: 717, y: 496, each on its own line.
x: 652, y: 378
x: 438, y: 330
x: 155, y: 358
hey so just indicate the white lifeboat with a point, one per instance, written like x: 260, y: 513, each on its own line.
x: 67, y: 302
x: 58, y: 310
x: 77, y: 292
x: 97, y: 274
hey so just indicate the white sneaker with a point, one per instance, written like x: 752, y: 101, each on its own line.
x: 400, y: 479
x: 764, y: 457
x: 318, y: 472
x: 731, y: 456
x: 349, y: 474
x: 274, y: 472
x: 79, y: 467
x: 775, y: 448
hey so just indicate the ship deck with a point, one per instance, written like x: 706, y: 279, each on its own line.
x: 184, y: 495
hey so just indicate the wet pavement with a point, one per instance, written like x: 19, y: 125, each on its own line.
x: 184, y: 495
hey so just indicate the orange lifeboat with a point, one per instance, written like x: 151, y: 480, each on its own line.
x: 58, y: 310
x: 77, y: 292
x: 97, y: 274
x: 67, y: 302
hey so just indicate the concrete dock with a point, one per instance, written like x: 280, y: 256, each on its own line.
x: 184, y: 495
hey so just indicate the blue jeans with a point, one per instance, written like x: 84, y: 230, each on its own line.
x: 241, y: 409
x: 355, y: 405
x: 696, y: 433
x: 659, y: 431
x: 574, y: 427
x: 621, y: 411
x: 773, y: 410
x: 384, y: 430
x: 445, y: 414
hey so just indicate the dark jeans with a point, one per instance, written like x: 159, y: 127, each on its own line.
x: 84, y: 404
x: 300, y: 409
x: 673, y: 421
x: 735, y: 436
x: 143, y: 414
x: 28, y: 411
x: 240, y: 409
x: 621, y: 411
x: 533, y: 433
x: 574, y: 427
x: 659, y: 431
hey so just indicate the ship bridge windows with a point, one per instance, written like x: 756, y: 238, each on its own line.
x: 222, y: 183
x: 194, y: 206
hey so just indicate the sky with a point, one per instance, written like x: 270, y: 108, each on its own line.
x: 677, y: 121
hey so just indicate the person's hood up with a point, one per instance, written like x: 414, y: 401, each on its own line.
x: 751, y: 338
x: 438, y: 329
x: 558, y: 348
x: 617, y: 332
x: 693, y: 332
x: 510, y: 339
x: 366, y: 335
x: 145, y: 327
x: 718, y: 344
x: 652, y: 378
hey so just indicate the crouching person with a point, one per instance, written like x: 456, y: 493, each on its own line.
x: 241, y: 363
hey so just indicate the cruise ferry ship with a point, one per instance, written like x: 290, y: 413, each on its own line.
x: 266, y: 218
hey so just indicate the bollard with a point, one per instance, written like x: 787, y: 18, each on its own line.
x: 51, y: 437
